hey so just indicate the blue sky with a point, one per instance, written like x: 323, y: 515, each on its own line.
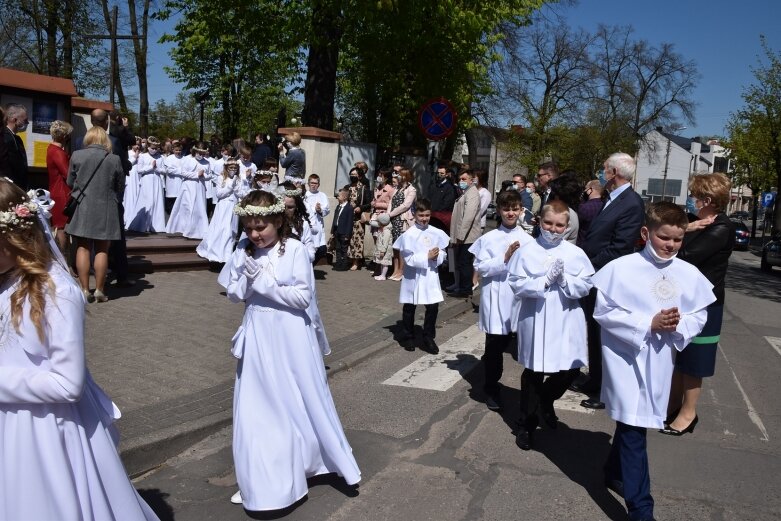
x: 722, y: 36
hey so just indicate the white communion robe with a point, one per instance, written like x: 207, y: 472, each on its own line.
x: 637, y: 362
x: 420, y: 280
x: 131, y: 189
x: 285, y: 424
x: 149, y: 211
x: 551, y: 323
x: 318, y: 229
x: 58, y: 444
x: 498, y: 305
x: 173, y: 181
x: 217, y: 246
x: 188, y: 216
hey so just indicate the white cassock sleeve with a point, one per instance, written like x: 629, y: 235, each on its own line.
x: 232, y: 276
x: 486, y: 264
x: 63, y: 381
x: 632, y: 329
x: 296, y: 291
x: 578, y: 284
x: 689, y: 326
x: 522, y: 284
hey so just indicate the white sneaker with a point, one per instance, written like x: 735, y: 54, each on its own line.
x: 236, y: 498
x: 379, y: 277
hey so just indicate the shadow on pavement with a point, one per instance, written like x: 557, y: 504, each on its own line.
x: 753, y: 282
x: 580, y: 455
x: 115, y: 292
x: 335, y: 481
x: 156, y: 500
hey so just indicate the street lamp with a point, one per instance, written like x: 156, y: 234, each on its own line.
x: 201, y: 98
x: 667, y: 161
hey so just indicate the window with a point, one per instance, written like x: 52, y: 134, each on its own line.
x: 671, y: 187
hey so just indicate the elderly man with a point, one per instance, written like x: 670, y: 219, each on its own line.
x: 464, y: 230
x: 612, y: 234
x: 16, y: 121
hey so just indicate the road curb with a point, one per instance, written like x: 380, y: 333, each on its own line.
x: 144, y: 453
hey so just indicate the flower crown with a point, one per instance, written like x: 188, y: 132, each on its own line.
x: 18, y: 215
x: 252, y: 211
x: 292, y: 193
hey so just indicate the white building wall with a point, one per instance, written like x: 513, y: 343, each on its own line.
x: 650, y: 176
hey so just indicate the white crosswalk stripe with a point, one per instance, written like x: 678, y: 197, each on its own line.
x: 456, y: 357
x: 775, y: 342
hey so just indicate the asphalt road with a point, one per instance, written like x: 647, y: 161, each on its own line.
x: 430, y: 450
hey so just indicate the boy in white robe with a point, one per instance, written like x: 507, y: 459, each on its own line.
x: 423, y: 249
x: 498, y: 305
x: 649, y: 305
x: 549, y: 277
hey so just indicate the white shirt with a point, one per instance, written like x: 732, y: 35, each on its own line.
x: 615, y: 193
x: 318, y: 219
x: 420, y: 281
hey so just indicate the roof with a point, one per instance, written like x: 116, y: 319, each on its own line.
x: 37, y: 82
x: 89, y: 105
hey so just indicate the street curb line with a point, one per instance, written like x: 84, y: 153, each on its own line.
x: 145, y: 453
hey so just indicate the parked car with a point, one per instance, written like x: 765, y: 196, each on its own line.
x: 742, y: 235
x: 771, y: 253
x: 491, y: 212
x: 740, y: 215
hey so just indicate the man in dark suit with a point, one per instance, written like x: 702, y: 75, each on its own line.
x: 342, y: 230
x: 16, y: 162
x: 613, y: 233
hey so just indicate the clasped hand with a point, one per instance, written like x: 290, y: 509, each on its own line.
x: 555, y: 274
x: 433, y: 253
x: 251, y: 267
x: 666, y: 320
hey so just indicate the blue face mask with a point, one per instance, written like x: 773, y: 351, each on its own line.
x: 463, y: 185
x: 691, y: 205
x: 601, y: 177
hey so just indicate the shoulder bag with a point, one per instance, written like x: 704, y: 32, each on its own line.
x: 73, y: 202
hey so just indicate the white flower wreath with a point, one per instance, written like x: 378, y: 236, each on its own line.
x: 251, y: 211
x: 18, y: 215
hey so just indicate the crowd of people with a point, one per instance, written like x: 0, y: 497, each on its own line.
x: 565, y: 282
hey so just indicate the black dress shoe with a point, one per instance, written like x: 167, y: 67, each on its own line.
x: 615, y: 485
x: 126, y: 283
x: 671, y: 417
x: 459, y: 294
x: 669, y: 431
x: 550, y: 418
x: 592, y: 403
x: 523, y: 439
x: 494, y: 402
x: 587, y: 387
x: 430, y: 346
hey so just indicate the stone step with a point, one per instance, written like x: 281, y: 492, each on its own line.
x: 156, y: 262
x: 148, y: 244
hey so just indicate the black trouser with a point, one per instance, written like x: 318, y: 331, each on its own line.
x: 117, y: 251
x: 464, y: 267
x: 539, y: 393
x: 429, y: 322
x: 340, y: 252
x: 493, y: 359
x: 320, y: 252
x: 594, y: 339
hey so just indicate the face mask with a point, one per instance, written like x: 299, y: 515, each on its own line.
x: 463, y: 185
x: 586, y: 194
x: 198, y: 157
x: 353, y: 179
x: 22, y: 128
x: 225, y: 157
x: 530, y: 190
x: 655, y: 256
x: 380, y: 180
x: 153, y: 151
x: 551, y: 237
x: 691, y: 205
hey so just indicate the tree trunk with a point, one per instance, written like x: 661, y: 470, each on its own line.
x: 320, y: 88
x: 67, y: 39
x: 117, y: 76
x: 140, y: 53
x: 52, y: 68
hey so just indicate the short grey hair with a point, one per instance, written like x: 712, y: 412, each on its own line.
x: 14, y: 109
x: 623, y: 163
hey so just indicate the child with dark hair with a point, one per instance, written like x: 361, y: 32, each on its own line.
x: 285, y: 426
x: 649, y: 305
x: 342, y: 229
x: 423, y: 249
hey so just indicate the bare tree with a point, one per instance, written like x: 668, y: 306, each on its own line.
x: 139, y: 28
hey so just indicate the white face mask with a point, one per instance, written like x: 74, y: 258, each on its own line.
x: 655, y: 256
x: 551, y: 237
x: 198, y: 157
x: 530, y: 190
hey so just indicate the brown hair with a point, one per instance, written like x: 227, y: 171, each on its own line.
x: 714, y: 186
x: 665, y: 212
x: 294, y: 138
x: 406, y: 175
x: 263, y: 198
x: 29, y: 246
x: 508, y: 199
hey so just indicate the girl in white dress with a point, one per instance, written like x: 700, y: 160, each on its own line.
x: 131, y: 186
x: 58, y: 445
x: 298, y: 217
x: 285, y: 425
x: 149, y: 209
x: 220, y: 238
x: 188, y: 216
x: 247, y: 169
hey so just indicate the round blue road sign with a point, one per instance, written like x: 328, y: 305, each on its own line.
x: 437, y: 118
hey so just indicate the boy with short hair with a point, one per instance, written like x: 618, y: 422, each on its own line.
x: 649, y: 305
x: 423, y: 249
x: 549, y: 279
x: 498, y: 305
x: 342, y: 229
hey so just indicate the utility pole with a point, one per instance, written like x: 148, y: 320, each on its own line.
x: 667, y: 162
x: 113, y: 36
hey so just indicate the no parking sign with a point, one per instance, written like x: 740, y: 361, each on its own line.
x: 767, y: 199
x: 437, y: 119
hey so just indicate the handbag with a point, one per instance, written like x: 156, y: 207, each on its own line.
x: 73, y: 202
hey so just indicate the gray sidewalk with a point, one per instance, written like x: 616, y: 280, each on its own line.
x: 161, y: 350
